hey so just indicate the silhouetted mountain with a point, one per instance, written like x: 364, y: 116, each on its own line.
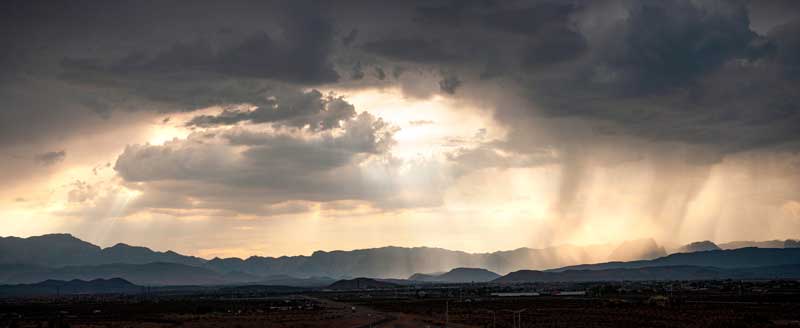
x: 141, y: 274
x: 57, y: 250
x: 700, y: 246
x: 123, y: 253
x: 686, y: 272
x: 72, y: 287
x: 50, y: 250
x: 458, y: 275
x: 63, y: 250
x: 400, y: 262
x: 640, y: 249
x: 361, y: 283
x: 759, y: 244
x: 736, y: 258
x: 651, y: 273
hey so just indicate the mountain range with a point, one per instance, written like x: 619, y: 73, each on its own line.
x: 742, y: 263
x: 60, y: 250
x: 748, y: 257
x: 56, y: 250
x: 65, y: 257
x: 676, y: 272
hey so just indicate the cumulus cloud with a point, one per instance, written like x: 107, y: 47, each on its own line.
x: 309, y: 109
x: 252, y: 166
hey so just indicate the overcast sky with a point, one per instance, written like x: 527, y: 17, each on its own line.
x: 237, y: 128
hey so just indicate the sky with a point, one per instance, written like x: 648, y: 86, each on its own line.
x: 274, y: 128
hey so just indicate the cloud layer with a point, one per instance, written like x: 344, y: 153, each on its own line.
x: 254, y: 112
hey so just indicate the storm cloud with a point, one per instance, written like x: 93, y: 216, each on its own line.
x: 670, y: 116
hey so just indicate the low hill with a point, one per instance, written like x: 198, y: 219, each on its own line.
x: 458, y: 275
x: 72, y: 287
x: 653, y: 273
x: 361, y: 283
x: 736, y: 258
x: 151, y: 274
x: 750, y: 243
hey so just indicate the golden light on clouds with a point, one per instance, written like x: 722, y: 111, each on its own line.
x: 513, y: 201
x: 428, y: 126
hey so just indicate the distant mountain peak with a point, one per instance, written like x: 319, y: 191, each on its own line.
x: 63, y: 237
x: 55, y: 235
x: 123, y: 245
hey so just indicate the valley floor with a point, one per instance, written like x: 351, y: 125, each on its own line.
x: 640, y: 304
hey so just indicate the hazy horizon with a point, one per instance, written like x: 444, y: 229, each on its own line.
x: 667, y: 246
x: 282, y: 128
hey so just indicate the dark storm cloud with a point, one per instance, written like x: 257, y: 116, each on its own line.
x: 301, y: 54
x: 310, y: 109
x: 648, y: 66
x: 350, y: 37
x: 557, y: 46
x: 380, y: 74
x: 719, y: 75
x: 449, y: 84
x: 412, y: 49
x: 542, y: 16
x: 655, y: 70
x: 68, y: 69
x: 545, y: 28
x: 518, y: 18
x: 767, y: 14
x: 664, y: 44
x: 94, y: 57
x: 689, y: 71
x: 786, y: 39
x: 299, y: 57
x: 51, y: 157
x: 357, y: 72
